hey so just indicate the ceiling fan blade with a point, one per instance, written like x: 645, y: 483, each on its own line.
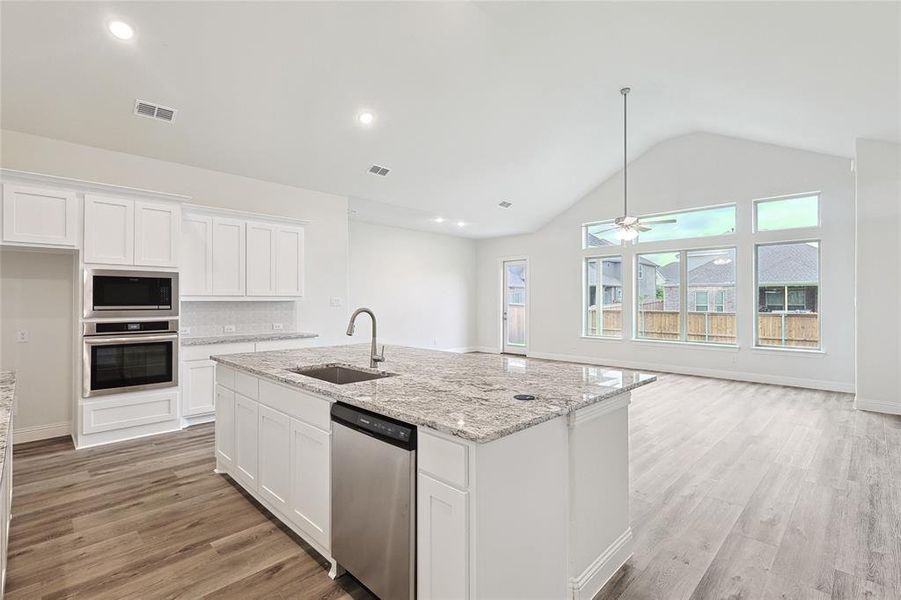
x: 659, y: 222
x: 614, y: 228
x: 642, y: 228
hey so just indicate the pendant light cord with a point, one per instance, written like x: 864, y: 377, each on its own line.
x: 625, y: 91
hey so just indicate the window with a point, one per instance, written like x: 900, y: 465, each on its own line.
x: 704, y: 222
x: 710, y: 276
x: 788, y: 284
x: 658, y: 296
x: 603, y: 311
x: 600, y: 234
x: 788, y: 213
x: 701, y: 301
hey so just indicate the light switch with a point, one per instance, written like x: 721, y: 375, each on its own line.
x: 335, y: 301
x: 22, y: 336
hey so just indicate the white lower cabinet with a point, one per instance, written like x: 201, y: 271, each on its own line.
x: 225, y: 426
x: 198, y: 379
x: 246, y: 440
x: 442, y: 540
x: 311, y: 480
x: 275, y: 457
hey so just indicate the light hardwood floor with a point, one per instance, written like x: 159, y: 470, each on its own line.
x: 738, y: 491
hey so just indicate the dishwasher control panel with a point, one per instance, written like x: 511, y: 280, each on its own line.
x: 382, y: 427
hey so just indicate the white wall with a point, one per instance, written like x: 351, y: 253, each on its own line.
x: 36, y: 297
x: 421, y: 286
x: 878, y: 169
x: 325, y: 238
x: 689, y: 171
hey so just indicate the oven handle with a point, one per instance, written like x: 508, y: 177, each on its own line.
x: 131, y: 306
x: 134, y: 339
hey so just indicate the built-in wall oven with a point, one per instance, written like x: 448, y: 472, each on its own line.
x: 123, y: 356
x: 130, y: 294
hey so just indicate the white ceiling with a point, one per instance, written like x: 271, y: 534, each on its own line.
x: 475, y: 103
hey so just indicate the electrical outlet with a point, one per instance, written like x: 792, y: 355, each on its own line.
x: 184, y: 330
x: 22, y: 337
x: 277, y: 327
x: 228, y: 328
x: 335, y: 301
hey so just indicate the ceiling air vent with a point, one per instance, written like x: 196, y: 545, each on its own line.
x: 505, y: 204
x: 377, y: 170
x: 154, y: 111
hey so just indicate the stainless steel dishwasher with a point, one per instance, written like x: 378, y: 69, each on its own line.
x: 374, y: 500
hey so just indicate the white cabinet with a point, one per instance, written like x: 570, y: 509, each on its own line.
x: 198, y: 378
x: 289, y: 256
x: 246, y: 440
x: 225, y: 426
x: 108, y: 230
x: 234, y: 257
x: 228, y: 257
x: 275, y: 457
x: 122, y: 231
x: 261, y: 259
x: 311, y: 481
x: 33, y: 215
x: 196, y: 255
x: 442, y: 542
x: 156, y: 233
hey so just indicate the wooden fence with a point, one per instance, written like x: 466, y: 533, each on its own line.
x: 516, y: 324
x: 791, y: 330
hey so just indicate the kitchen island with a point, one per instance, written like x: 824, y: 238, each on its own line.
x: 515, y: 498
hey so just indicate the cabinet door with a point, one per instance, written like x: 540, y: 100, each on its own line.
x: 246, y: 440
x: 260, y: 259
x: 109, y: 228
x: 39, y: 216
x: 225, y: 426
x: 442, y: 553
x: 156, y: 233
x: 275, y: 457
x: 228, y: 257
x: 198, y: 379
x: 289, y: 258
x: 196, y: 256
x: 311, y: 481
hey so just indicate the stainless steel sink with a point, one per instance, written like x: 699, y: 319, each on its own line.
x: 340, y: 374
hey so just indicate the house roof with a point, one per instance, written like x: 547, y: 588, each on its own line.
x: 777, y: 264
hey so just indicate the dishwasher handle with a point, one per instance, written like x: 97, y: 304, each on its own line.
x: 382, y: 428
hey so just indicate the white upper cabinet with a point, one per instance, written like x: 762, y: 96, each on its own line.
x: 34, y: 215
x: 122, y: 231
x: 289, y: 261
x: 156, y: 233
x: 196, y: 255
x: 109, y: 228
x: 261, y: 259
x: 228, y: 257
x: 234, y: 257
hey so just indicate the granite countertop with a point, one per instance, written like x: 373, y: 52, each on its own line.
x: 233, y: 338
x: 466, y: 395
x: 7, y: 398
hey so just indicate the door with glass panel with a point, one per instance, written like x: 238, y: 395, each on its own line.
x: 514, y: 307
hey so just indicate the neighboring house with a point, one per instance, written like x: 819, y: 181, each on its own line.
x: 610, y: 281
x: 516, y: 286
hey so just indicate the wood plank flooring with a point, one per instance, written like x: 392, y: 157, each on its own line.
x: 739, y: 490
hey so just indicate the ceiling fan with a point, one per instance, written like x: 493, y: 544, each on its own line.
x: 628, y: 227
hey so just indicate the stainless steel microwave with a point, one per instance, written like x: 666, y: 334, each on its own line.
x: 130, y: 294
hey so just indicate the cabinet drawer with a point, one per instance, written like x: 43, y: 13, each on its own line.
x: 309, y: 409
x: 225, y: 376
x: 199, y: 352
x: 444, y: 459
x: 247, y: 385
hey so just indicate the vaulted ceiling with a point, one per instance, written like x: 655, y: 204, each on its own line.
x: 475, y: 103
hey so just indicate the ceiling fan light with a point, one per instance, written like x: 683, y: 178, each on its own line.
x: 627, y: 234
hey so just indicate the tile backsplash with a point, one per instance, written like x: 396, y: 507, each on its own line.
x: 211, y: 318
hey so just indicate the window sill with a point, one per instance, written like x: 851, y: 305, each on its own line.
x: 602, y: 338
x: 673, y: 343
x: 812, y: 352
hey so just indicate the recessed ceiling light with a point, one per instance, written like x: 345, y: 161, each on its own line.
x: 366, y: 118
x: 505, y: 204
x: 438, y: 219
x: 121, y: 30
x: 461, y: 224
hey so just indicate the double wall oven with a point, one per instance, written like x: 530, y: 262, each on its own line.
x: 130, y: 331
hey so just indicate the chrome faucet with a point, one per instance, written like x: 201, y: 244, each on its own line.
x: 374, y: 357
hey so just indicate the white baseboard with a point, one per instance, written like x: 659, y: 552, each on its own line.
x: 816, y: 384
x: 41, y: 432
x: 591, y: 580
x: 880, y: 406
x: 197, y: 420
x: 462, y: 350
